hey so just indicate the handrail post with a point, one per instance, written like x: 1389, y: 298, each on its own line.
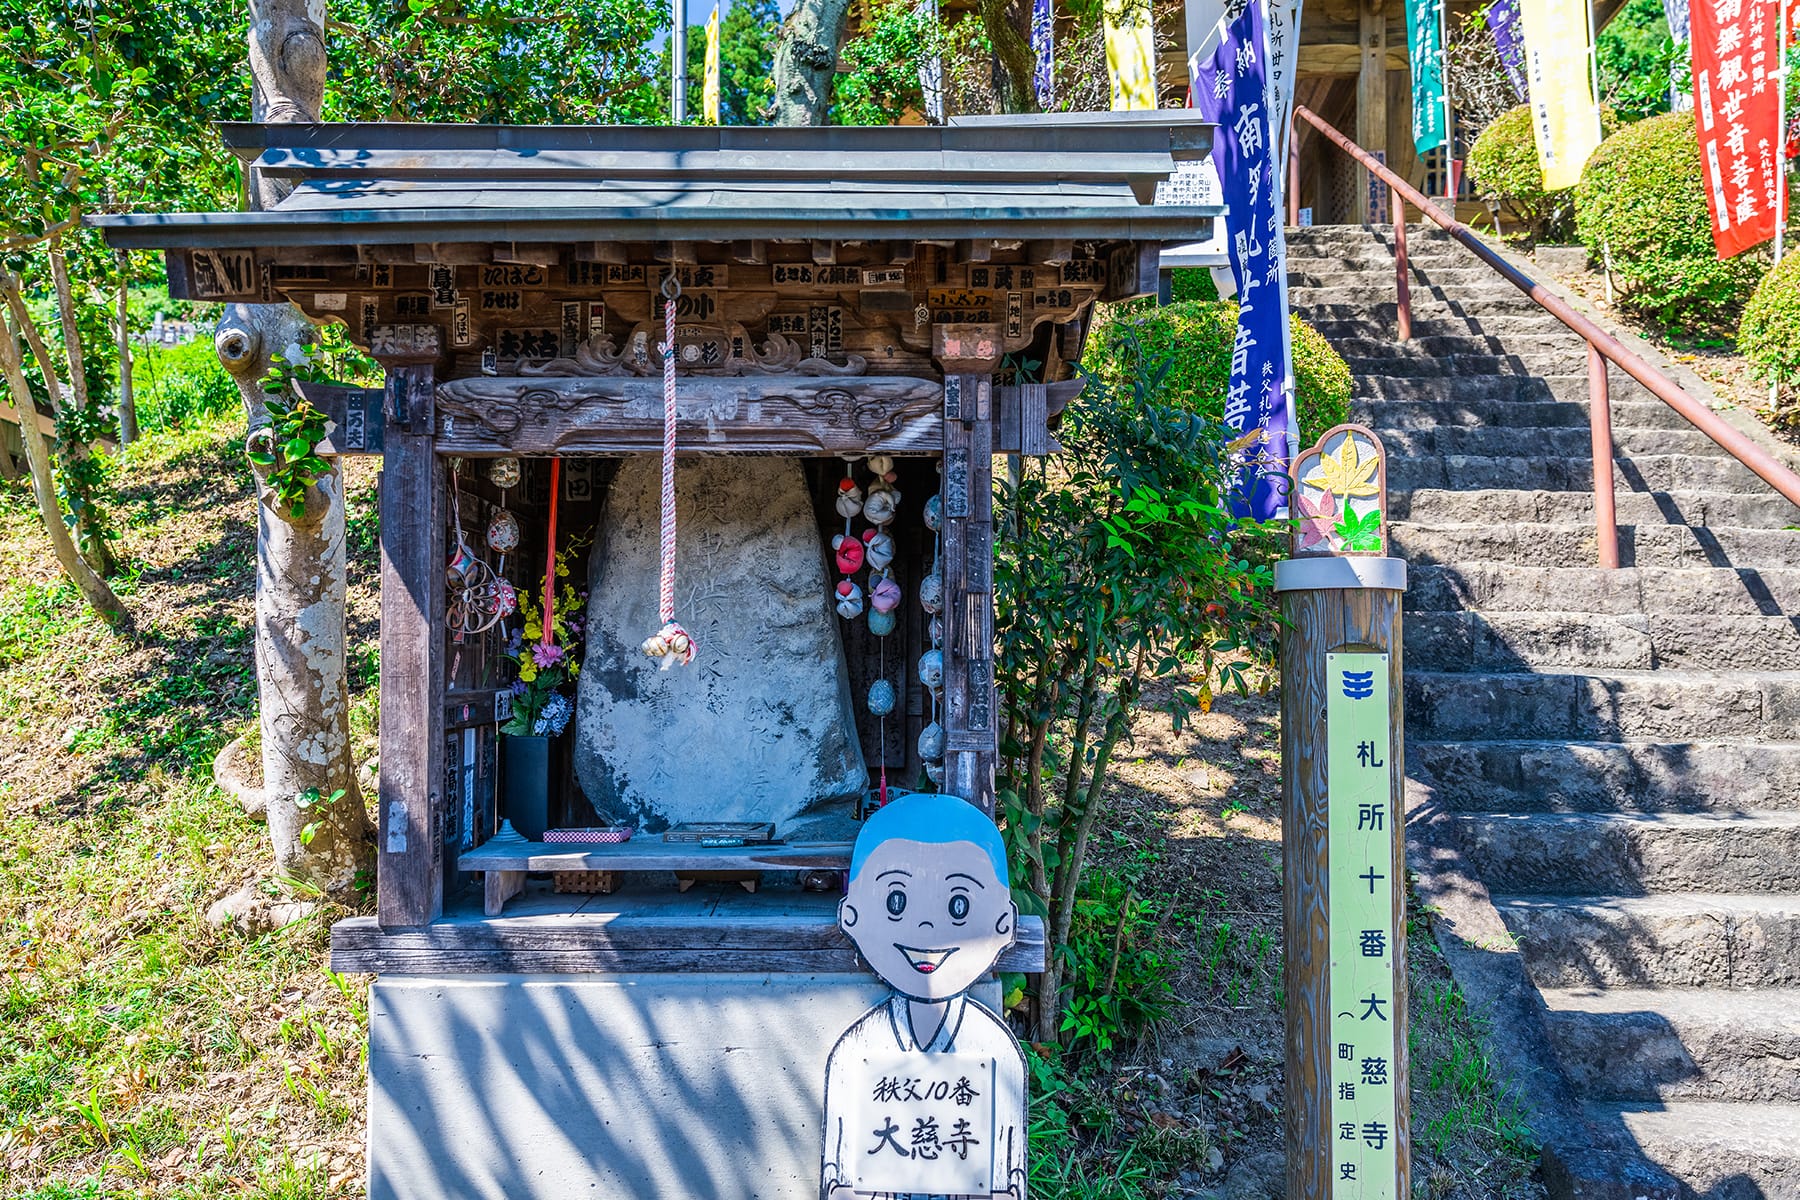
x: 1293, y: 180
x: 1402, y: 288
x: 1606, y: 520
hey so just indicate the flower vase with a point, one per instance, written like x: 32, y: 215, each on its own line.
x: 525, y: 764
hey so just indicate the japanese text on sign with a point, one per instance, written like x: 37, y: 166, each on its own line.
x: 1360, y: 854
x: 1736, y: 55
x: 925, y: 1123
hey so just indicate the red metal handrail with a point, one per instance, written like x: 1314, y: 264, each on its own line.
x: 1602, y: 348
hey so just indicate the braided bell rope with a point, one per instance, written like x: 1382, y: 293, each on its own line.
x: 671, y: 643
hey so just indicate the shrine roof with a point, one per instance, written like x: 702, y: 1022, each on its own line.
x: 1083, y: 176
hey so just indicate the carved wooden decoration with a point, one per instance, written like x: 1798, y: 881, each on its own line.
x: 775, y: 414
x: 1338, y: 490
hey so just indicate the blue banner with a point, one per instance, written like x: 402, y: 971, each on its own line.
x: 1043, y: 48
x: 1503, y: 22
x: 1230, y: 86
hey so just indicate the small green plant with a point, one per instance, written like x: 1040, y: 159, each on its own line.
x: 286, y: 450
x: 1640, y: 210
x: 311, y: 801
x: 1120, y: 975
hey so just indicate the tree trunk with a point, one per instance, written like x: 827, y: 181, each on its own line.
x: 43, y: 484
x: 128, y: 425
x: 805, y: 61
x: 320, y: 846
x: 94, y: 547
x: 1014, y: 59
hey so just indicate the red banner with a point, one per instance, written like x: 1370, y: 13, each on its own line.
x: 1736, y: 92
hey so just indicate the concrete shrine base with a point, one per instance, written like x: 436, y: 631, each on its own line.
x: 528, y: 1087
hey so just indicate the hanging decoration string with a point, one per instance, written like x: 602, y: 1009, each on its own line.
x: 549, y: 634
x: 671, y: 643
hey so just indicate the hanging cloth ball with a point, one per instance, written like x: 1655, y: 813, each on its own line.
x: 931, y: 672
x: 881, y: 505
x: 879, y: 545
x: 884, y: 595
x: 849, y: 599
x: 934, y: 512
x: 849, y: 499
x: 931, y: 741
x: 503, y: 533
x: 882, y: 467
x: 931, y: 592
x: 504, y: 472
x: 881, y: 623
x: 881, y: 697
x: 934, y: 771
x: 849, y: 554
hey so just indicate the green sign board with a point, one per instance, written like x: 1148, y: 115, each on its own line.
x: 1425, y: 54
x: 1364, y: 1009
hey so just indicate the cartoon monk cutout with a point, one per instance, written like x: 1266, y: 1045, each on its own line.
x: 925, y: 1093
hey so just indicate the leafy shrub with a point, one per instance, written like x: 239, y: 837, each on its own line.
x: 1769, y: 336
x: 1195, y: 338
x: 1641, y: 208
x: 1504, y: 164
x: 1192, y: 283
x: 1116, y: 566
x: 177, y: 386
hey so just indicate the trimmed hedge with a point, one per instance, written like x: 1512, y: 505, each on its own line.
x: 1641, y: 205
x: 1769, y: 336
x: 1504, y: 164
x: 1196, y: 337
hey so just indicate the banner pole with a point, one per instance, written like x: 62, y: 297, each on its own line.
x: 678, y: 80
x: 1781, y: 185
x: 1449, y: 111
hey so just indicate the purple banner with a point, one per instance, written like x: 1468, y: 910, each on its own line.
x: 1503, y: 21
x: 1043, y: 47
x: 1230, y: 88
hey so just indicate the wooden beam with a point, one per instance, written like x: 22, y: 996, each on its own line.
x: 788, y: 414
x: 824, y: 251
x: 1371, y: 102
x: 971, y: 718
x: 1341, y: 58
x: 754, y: 252
x: 410, y: 862
x: 607, y: 936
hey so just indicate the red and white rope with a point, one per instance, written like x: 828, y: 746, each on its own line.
x: 671, y: 643
x: 668, y: 464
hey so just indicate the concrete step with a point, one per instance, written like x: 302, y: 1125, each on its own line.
x: 1600, y: 705
x: 1717, y: 1150
x: 1749, y: 510
x: 1441, y: 321
x: 1632, y: 854
x: 1495, y: 641
x: 1462, y: 365
x: 1375, y: 305
x: 1499, y: 587
x: 1508, y: 386
x: 1386, y: 416
x: 1548, y: 441
x: 1552, y: 545
x: 1650, y: 1044
x: 1630, y: 776
x: 1440, y: 276
x: 1461, y: 343
x: 1640, y: 473
x: 1688, y: 939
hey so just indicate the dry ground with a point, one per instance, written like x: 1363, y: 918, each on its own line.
x: 144, y: 1053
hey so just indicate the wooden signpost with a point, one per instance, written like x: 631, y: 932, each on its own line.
x: 1344, y: 864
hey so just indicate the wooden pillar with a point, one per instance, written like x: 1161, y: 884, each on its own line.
x: 1371, y: 105
x: 1335, y: 605
x: 971, y: 716
x: 410, y: 884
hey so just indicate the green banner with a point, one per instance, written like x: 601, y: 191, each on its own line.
x: 1425, y: 52
x: 1360, y: 860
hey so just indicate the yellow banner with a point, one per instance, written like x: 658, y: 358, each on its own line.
x: 710, y: 89
x: 1130, y: 54
x: 1565, y: 119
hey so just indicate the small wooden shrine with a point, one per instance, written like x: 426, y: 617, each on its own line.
x: 877, y: 311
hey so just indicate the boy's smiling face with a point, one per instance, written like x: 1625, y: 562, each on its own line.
x: 930, y: 919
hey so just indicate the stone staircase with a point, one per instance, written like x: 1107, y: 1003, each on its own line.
x: 1611, y: 759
